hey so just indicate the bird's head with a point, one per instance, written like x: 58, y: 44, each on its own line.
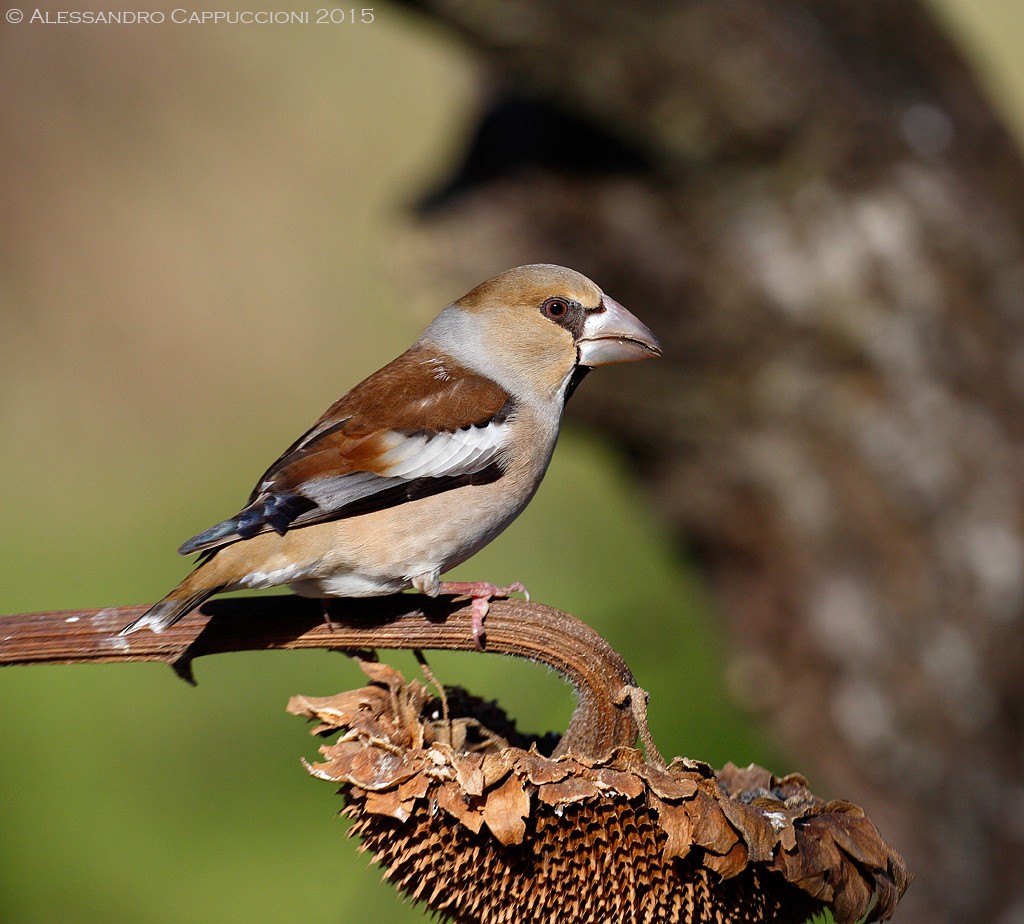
x: 532, y: 326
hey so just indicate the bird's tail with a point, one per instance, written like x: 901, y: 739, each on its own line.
x: 185, y: 597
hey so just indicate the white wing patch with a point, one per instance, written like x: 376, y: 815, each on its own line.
x: 407, y: 458
x: 444, y: 454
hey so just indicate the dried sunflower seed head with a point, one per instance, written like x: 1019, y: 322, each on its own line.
x: 470, y: 818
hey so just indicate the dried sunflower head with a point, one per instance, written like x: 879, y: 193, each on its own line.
x: 475, y: 821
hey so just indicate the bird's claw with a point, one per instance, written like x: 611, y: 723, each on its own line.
x: 481, y: 593
x: 479, y: 609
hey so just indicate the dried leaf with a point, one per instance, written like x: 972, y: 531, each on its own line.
x: 729, y: 864
x: 751, y: 778
x: 452, y: 799
x: 383, y: 674
x: 469, y: 772
x: 571, y: 790
x: 756, y: 830
x: 711, y: 829
x: 387, y: 803
x: 627, y: 784
x: 813, y: 863
x: 414, y: 788
x: 852, y: 900
x: 853, y: 833
x: 377, y: 769
x: 698, y: 768
x: 495, y: 767
x: 336, y: 711
x: 675, y: 822
x: 541, y: 770
x: 671, y: 786
x: 505, y: 811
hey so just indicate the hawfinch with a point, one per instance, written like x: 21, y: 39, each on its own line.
x: 426, y: 461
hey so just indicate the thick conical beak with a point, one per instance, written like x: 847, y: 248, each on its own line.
x: 613, y: 335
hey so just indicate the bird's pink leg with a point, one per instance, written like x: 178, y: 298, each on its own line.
x: 481, y: 592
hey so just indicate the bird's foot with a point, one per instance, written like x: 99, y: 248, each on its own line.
x: 481, y: 593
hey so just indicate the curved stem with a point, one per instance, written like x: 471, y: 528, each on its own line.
x: 606, y: 709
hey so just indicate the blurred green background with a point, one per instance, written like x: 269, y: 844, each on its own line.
x: 204, y: 242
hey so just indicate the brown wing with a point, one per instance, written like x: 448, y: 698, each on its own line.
x: 420, y: 425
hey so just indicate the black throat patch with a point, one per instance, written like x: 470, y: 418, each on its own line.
x: 579, y: 373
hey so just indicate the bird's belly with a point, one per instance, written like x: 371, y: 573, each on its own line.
x: 348, y: 584
x: 382, y: 552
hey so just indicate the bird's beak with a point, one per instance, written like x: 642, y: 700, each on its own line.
x: 613, y: 335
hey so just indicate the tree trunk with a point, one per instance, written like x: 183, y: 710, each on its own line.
x: 815, y: 208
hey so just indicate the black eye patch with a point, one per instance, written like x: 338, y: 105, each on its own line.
x: 565, y: 312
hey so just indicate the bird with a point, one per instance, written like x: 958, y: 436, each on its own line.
x: 427, y: 460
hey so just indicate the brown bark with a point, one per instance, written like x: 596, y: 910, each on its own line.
x: 608, y: 704
x: 816, y: 210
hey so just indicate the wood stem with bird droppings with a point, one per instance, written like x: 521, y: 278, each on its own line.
x: 610, y: 708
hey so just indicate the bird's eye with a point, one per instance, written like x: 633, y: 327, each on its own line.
x: 555, y: 308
